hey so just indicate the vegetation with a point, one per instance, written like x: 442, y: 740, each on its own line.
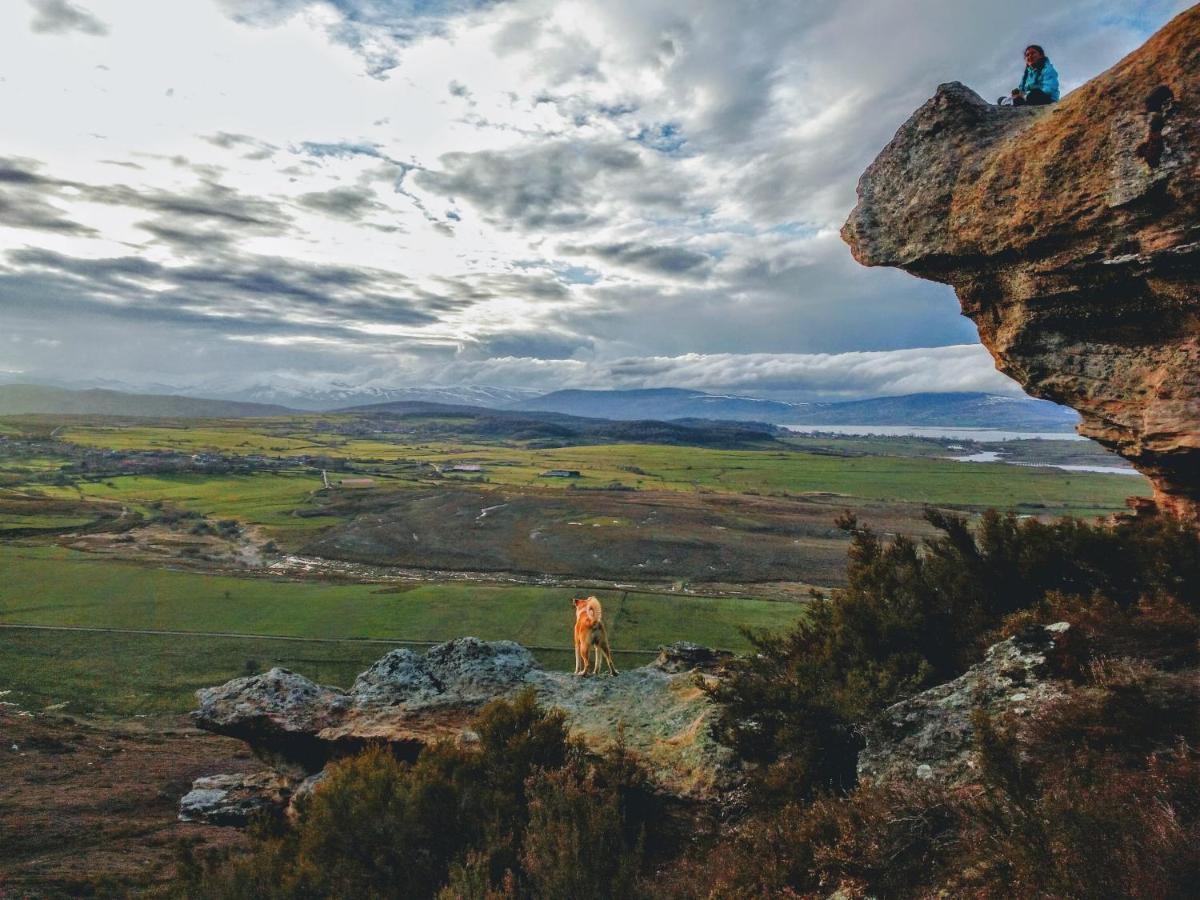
x: 1098, y: 796
x: 522, y: 812
x: 916, y: 615
x: 870, y: 468
x: 351, y: 624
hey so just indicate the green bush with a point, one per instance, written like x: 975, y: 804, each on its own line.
x: 914, y: 615
x: 488, y: 819
x: 575, y: 845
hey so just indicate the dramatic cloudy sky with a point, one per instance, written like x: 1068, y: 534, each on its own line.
x: 538, y: 193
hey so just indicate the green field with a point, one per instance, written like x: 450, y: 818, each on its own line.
x: 268, y: 498
x: 320, y: 627
x: 51, y: 586
x: 264, y: 498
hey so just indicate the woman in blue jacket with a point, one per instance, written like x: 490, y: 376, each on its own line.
x: 1039, y: 84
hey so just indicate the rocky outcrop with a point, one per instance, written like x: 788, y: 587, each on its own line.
x: 930, y: 736
x: 410, y: 699
x: 235, y: 799
x: 1071, y: 235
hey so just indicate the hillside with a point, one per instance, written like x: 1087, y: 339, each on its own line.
x: 564, y: 428
x: 333, y: 395
x: 964, y: 410
x: 34, y: 399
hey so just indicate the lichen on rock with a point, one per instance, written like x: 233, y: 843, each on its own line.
x: 408, y: 700
x: 930, y: 736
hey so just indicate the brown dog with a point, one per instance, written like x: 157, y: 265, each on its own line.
x: 590, y: 634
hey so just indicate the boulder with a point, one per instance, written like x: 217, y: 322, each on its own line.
x: 1071, y: 235
x: 684, y: 656
x: 234, y: 799
x: 410, y: 699
x: 930, y: 736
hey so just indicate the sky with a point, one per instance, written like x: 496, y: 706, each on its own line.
x: 215, y: 194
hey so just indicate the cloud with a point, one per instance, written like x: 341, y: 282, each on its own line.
x: 539, y: 345
x: 659, y: 260
x: 552, y: 186
x: 61, y: 17
x: 232, y: 294
x: 343, y: 202
x: 616, y: 193
x: 786, y: 376
x: 376, y: 31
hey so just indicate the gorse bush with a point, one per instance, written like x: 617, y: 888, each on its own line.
x: 917, y: 614
x: 457, y: 819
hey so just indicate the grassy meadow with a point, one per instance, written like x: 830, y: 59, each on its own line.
x: 788, y: 467
x: 53, y: 586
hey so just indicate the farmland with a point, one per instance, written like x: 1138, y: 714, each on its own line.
x: 122, y: 672
x: 197, y: 550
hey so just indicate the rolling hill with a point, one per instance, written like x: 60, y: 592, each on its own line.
x: 963, y: 410
x: 36, y: 399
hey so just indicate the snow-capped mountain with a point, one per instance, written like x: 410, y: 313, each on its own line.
x: 334, y: 395
x: 964, y: 410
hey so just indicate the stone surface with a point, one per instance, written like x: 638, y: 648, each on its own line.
x: 1071, y: 234
x: 234, y: 799
x: 684, y: 656
x: 929, y: 736
x: 408, y: 699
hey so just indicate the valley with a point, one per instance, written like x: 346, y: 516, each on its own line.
x: 144, y: 558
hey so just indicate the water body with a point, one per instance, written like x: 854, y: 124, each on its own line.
x: 982, y: 456
x: 961, y: 434
x: 992, y: 456
x: 1108, y: 470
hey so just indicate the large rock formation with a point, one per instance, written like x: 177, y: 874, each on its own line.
x: 931, y: 735
x: 409, y: 699
x: 1071, y: 235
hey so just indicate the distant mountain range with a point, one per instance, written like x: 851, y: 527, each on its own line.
x: 342, y: 396
x: 25, y: 399
x: 295, y: 394
x: 962, y: 410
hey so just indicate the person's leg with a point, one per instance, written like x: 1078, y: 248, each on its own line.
x: 1038, y: 98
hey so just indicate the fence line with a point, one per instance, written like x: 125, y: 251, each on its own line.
x: 270, y: 637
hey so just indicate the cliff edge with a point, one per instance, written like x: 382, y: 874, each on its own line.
x: 1071, y: 235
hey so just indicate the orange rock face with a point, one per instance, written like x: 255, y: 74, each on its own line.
x: 1071, y: 234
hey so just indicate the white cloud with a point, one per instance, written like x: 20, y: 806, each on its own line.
x: 537, y: 190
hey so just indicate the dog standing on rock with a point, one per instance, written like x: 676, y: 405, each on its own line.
x: 590, y: 635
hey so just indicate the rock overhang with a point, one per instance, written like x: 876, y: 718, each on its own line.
x: 1071, y: 235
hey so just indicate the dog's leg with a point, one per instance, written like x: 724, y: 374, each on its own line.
x: 612, y: 670
x: 602, y: 646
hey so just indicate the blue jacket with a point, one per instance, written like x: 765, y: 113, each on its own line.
x: 1044, y: 79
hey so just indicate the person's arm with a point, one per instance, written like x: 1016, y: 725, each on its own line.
x: 1050, y: 80
x: 1020, y: 89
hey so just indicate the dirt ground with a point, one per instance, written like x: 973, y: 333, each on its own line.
x: 88, y: 807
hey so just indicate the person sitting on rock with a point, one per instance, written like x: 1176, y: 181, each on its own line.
x: 1039, y: 84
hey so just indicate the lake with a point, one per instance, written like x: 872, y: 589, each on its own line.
x: 960, y: 434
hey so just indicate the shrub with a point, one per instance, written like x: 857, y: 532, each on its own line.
x: 913, y: 615
x: 457, y: 821
x: 575, y: 846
